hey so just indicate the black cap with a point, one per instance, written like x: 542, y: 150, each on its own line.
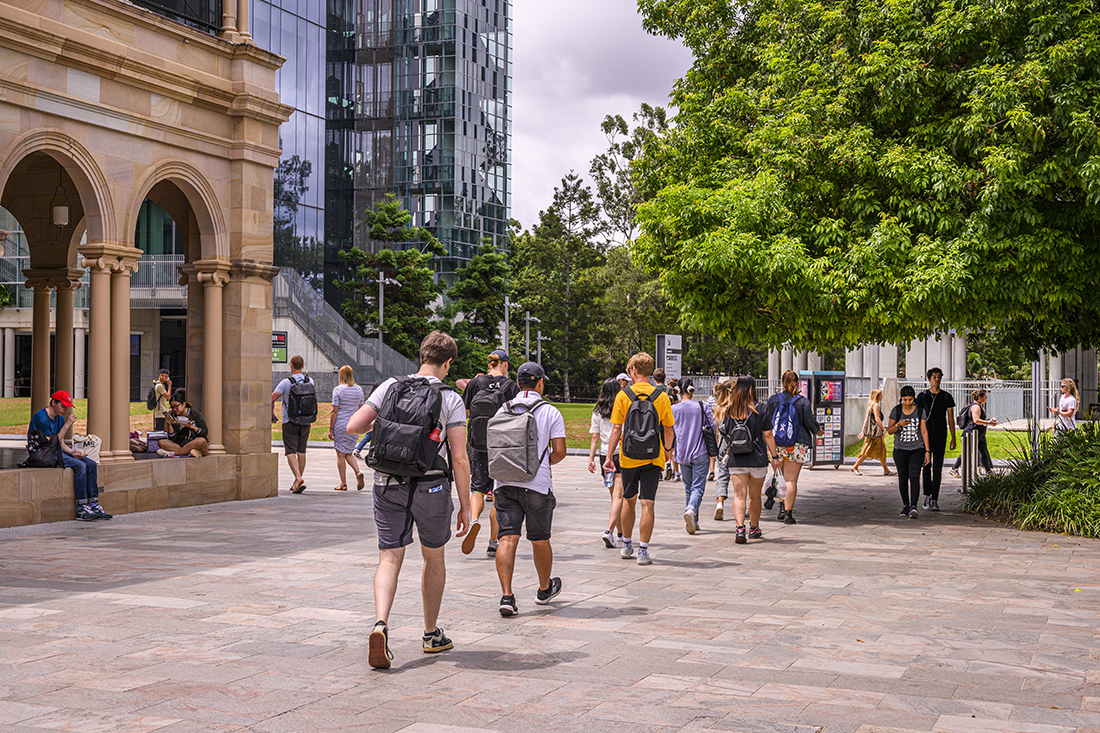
x: 530, y: 372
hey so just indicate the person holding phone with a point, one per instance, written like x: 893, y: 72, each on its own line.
x: 977, y: 422
x: 186, y: 428
x: 1067, y: 409
x: 909, y: 426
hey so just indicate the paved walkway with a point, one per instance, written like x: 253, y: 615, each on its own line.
x: 254, y: 616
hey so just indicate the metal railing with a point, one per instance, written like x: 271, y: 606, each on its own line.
x: 156, y: 283
x: 294, y: 298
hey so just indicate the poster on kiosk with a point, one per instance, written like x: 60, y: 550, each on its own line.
x: 825, y: 390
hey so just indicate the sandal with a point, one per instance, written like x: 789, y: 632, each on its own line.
x: 856, y: 472
x: 341, y: 487
x: 360, y: 481
x: 297, y: 488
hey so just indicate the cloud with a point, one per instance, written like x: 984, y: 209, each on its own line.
x: 577, y: 61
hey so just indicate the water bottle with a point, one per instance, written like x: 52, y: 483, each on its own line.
x: 609, y: 479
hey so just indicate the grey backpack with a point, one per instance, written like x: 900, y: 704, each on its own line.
x: 513, y: 442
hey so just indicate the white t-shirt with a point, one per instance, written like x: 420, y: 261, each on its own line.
x: 1068, y: 402
x: 452, y: 415
x: 600, y: 426
x: 551, y: 425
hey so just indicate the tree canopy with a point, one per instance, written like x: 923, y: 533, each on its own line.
x: 869, y: 171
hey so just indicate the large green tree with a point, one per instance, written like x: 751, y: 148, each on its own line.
x: 474, y: 310
x: 403, y: 254
x: 863, y: 171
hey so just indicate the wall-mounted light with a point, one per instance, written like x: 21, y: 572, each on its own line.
x: 59, y: 207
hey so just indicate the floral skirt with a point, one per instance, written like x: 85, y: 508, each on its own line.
x: 797, y: 453
x: 874, y: 449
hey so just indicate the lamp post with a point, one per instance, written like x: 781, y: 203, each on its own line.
x: 540, y: 338
x: 507, y: 306
x: 382, y: 282
x: 528, y: 318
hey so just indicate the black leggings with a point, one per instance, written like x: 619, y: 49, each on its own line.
x: 908, y: 464
x: 933, y: 472
x: 983, y: 452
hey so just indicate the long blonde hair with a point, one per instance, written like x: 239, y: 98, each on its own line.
x: 874, y: 399
x: 1067, y: 382
x: 346, y: 375
x: 722, y: 391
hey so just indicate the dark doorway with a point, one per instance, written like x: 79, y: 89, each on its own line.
x: 173, y: 346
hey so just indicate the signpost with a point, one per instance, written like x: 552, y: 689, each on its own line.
x: 669, y: 355
x: 278, y: 347
x: 825, y: 391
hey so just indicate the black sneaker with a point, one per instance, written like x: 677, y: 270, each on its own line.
x: 85, y: 514
x: 755, y: 533
x: 491, y: 550
x: 379, y: 655
x: 739, y: 538
x: 904, y: 511
x: 508, y: 606
x: 789, y: 519
x: 100, y: 512
x: 934, y: 505
x: 436, y: 641
x: 543, y: 596
x: 782, y: 513
x: 927, y: 499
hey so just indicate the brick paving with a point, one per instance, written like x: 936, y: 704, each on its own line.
x: 253, y: 616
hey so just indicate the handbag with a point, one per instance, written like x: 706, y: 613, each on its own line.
x: 43, y: 451
x: 871, y: 428
x: 710, y: 440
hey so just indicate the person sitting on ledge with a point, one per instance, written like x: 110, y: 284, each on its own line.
x: 186, y: 429
x: 56, y: 420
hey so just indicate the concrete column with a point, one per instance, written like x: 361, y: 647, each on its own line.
x: 945, y: 362
x: 99, y: 358
x: 79, y: 363
x: 872, y: 366
x: 120, y: 359
x: 853, y: 361
x: 1055, y: 367
x: 888, y: 361
x: 958, y: 357
x: 213, y: 280
x: 775, y: 364
x: 9, y: 362
x: 814, y: 361
x: 63, y: 343
x: 40, y: 348
x: 801, y: 361
x: 915, y: 360
x: 786, y: 361
x: 1087, y: 384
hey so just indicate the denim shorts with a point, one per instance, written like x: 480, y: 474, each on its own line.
x: 425, y: 503
x: 515, y: 505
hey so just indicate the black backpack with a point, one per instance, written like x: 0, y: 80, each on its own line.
x: 964, y: 417
x: 43, y: 451
x: 151, y: 396
x: 641, y: 427
x: 301, y: 402
x: 738, y: 436
x: 482, y: 407
x: 406, y: 435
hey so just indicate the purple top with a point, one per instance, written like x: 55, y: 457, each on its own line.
x: 689, y: 430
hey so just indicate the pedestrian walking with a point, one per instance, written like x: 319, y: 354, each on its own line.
x: 483, y: 395
x: 793, y: 428
x: 712, y: 403
x: 188, y: 434
x: 752, y: 449
x: 523, y: 489
x: 938, y: 406
x: 419, y: 458
x: 642, y: 427
x: 55, y: 419
x: 974, y: 420
x: 722, y: 470
x: 909, y: 426
x: 347, y: 398
x: 873, y: 434
x: 1066, y: 420
x: 299, y: 396
x: 600, y: 429
x: 692, y: 420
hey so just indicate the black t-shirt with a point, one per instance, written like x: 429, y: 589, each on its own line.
x: 935, y: 407
x: 477, y: 384
x: 758, y: 422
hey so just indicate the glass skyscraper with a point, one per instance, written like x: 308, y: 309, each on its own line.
x: 416, y: 101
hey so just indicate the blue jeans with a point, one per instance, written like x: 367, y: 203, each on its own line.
x: 85, y: 479
x: 695, y: 480
x: 362, y: 442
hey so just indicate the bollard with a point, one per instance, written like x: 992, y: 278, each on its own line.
x: 969, y: 460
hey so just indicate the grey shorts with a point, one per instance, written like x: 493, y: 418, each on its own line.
x: 424, y: 503
x: 515, y: 505
x: 295, y: 438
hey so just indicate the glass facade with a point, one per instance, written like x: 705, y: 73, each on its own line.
x: 416, y: 101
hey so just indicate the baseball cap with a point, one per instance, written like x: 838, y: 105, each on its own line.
x: 530, y: 372
x: 63, y: 397
x: 622, y: 375
x: 501, y: 354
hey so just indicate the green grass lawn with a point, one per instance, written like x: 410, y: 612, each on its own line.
x: 1002, y: 444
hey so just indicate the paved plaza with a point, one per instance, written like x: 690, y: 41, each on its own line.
x: 253, y: 616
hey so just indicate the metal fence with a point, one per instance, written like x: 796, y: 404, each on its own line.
x: 296, y: 299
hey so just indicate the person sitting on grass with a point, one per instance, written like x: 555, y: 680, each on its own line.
x: 186, y: 429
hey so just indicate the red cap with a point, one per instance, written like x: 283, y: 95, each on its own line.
x: 63, y: 397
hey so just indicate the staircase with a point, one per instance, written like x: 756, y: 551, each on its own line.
x: 294, y: 298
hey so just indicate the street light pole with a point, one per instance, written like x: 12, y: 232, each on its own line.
x: 382, y: 282
x: 507, y: 305
x: 540, y: 338
x: 528, y: 318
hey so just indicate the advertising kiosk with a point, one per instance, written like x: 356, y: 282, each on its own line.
x: 825, y: 390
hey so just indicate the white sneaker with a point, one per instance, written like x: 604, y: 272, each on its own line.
x: 955, y: 473
x: 718, y: 513
x: 163, y: 453
x: 689, y: 521
x: 643, y: 556
x: 627, y: 552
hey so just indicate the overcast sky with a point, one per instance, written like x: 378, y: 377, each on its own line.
x: 577, y: 61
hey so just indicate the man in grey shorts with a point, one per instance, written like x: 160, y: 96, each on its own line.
x: 295, y: 437
x: 531, y: 501
x: 423, y: 502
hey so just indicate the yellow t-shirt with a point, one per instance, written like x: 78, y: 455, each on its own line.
x: 664, y: 413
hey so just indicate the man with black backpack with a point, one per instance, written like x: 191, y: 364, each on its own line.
x: 642, y: 419
x: 525, y: 439
x: 418, y: 453
x: 299, y: 396
x: 483, y: 396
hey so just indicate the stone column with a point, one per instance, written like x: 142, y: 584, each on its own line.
x: 945, y: 357
x: 853, y: 361
x: 63, y: 343
x: 888, y: 361
x: 915, y: 361
x: 774, y: 364
x: 40, y: 345
x: 193, y: 361
x: 120, y: 358
x: 99, y: 356
x: 243, y: 21
x: 786, y: 361
x: 79, y: 364
x: 958, y: 357
x: 213, y: 275
x: 801, y: 360
x: 814, y: 361
x: 9, y: 362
